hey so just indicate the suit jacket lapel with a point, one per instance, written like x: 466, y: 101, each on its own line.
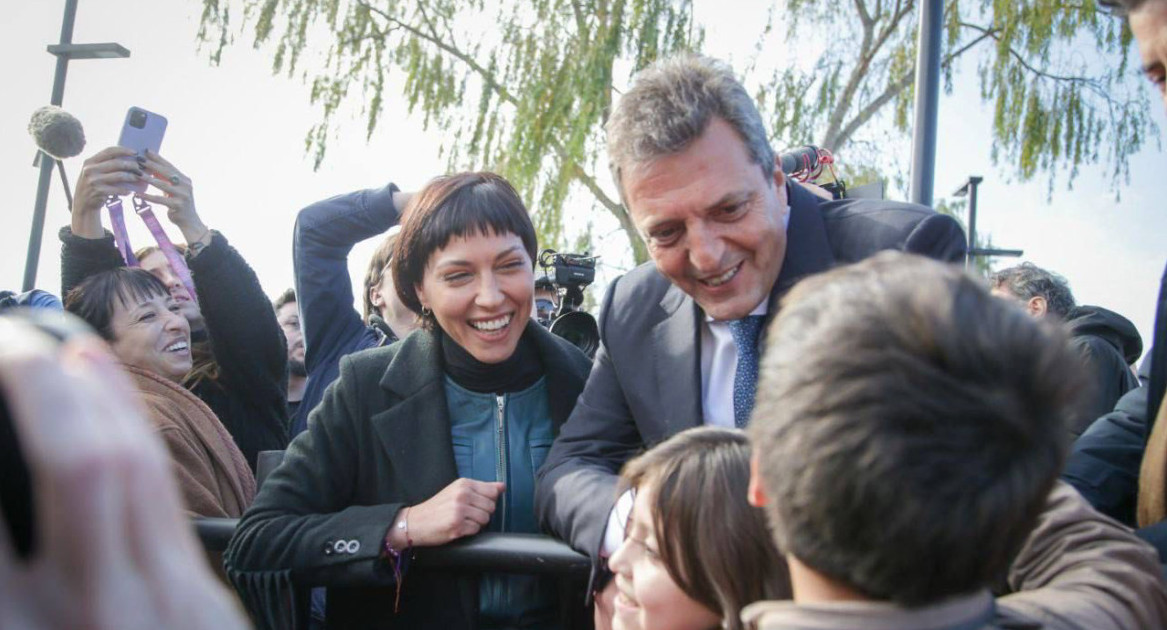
x: 676, y: 339
x: 415, y: 429
x: 808, y: 250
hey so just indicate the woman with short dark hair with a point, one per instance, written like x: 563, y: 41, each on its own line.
x: 144, y: 325
x: 431, y: 439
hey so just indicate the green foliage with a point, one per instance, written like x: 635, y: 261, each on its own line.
x: 523, y: 86
x: 526, y: 97
x: 1054, y: 107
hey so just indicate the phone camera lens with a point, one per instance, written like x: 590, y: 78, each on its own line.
x: 138, y: 119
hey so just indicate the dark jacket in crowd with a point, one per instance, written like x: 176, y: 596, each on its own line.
x: 1105, y: 461
x: 1110, y: 344
x: 250, y: 394
x: 379, y: 441
x: 325, y: 234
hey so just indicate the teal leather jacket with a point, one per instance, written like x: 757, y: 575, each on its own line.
x: 505, y: 437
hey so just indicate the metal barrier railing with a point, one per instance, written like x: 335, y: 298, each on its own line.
x: 515, y: 553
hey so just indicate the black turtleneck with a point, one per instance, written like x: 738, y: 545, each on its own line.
x: 518, y: 372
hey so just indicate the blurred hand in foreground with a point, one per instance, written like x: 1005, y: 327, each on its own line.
x: 113, y: 548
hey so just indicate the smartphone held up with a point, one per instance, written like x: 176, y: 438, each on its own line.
x: 142, y: 131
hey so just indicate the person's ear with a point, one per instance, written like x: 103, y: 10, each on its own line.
x: 421, y: 299
x: 779, y: 176
x: 755, y: 493
x: 780, y: 190
x: 1037, y: 306
x: 375, y: 296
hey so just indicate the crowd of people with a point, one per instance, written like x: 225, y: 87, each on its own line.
x: 803, y: 413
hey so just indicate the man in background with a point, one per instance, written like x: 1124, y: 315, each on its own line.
x: 288, y: 317
x: 1107, y: 342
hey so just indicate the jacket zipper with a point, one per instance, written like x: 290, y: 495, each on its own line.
x: 501, y: 460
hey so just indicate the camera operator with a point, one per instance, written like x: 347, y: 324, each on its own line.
x: 571, y: 273
x: 546, y: 301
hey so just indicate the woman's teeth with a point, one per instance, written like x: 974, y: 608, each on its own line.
x: 492, y: 325
x: 177, y: 346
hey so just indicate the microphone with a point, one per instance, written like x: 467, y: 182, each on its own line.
x: 57, y: 132
x: 801, y: 159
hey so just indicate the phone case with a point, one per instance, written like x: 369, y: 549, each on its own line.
x: 142, y: 130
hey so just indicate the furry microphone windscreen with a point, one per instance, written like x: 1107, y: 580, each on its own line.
x: 57, y: 132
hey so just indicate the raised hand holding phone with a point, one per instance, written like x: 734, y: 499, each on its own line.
x: 177, y: 197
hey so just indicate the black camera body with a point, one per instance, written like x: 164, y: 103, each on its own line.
x: 570, y: 270
x: 570, y: 273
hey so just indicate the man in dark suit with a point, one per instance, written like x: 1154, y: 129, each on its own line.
x: 728, y: 236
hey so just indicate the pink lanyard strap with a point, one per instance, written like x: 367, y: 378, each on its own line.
x: 120, y: 237
x: 122, y: 240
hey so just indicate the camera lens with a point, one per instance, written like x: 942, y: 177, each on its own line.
x: 580, y: 330
x: 137, y: 119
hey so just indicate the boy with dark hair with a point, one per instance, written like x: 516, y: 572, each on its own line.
x: 908, y: 431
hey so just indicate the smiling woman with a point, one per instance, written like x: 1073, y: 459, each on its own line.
x: 134, y: 311
x: 433, y: 438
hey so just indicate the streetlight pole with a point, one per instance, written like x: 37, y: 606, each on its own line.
x: 969, y: 189
x: 64, y: 51
x: 973, y: 182
x: 927, y: 101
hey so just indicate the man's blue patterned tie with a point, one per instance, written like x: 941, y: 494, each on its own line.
x: 745, y: 378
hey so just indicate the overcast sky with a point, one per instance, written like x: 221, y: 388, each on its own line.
x: 238, y: 133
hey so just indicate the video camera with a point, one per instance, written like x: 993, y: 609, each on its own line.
x: 569, y: 274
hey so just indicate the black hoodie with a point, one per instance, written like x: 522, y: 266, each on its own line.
x: 1110, y: 344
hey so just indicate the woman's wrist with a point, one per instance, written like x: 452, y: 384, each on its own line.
x: 397, y: 538
x: 197, y: 236
x: 87, y: 225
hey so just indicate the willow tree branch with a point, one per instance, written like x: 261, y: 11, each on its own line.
x: 836, y: 142
x: 561, y: 152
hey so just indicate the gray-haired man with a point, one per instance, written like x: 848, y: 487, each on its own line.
x: 728, y: 236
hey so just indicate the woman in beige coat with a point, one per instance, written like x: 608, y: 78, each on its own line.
x: 134, y: 312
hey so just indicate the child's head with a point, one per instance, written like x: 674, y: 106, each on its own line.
x: 695, y: 551
x: 908, y: 428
